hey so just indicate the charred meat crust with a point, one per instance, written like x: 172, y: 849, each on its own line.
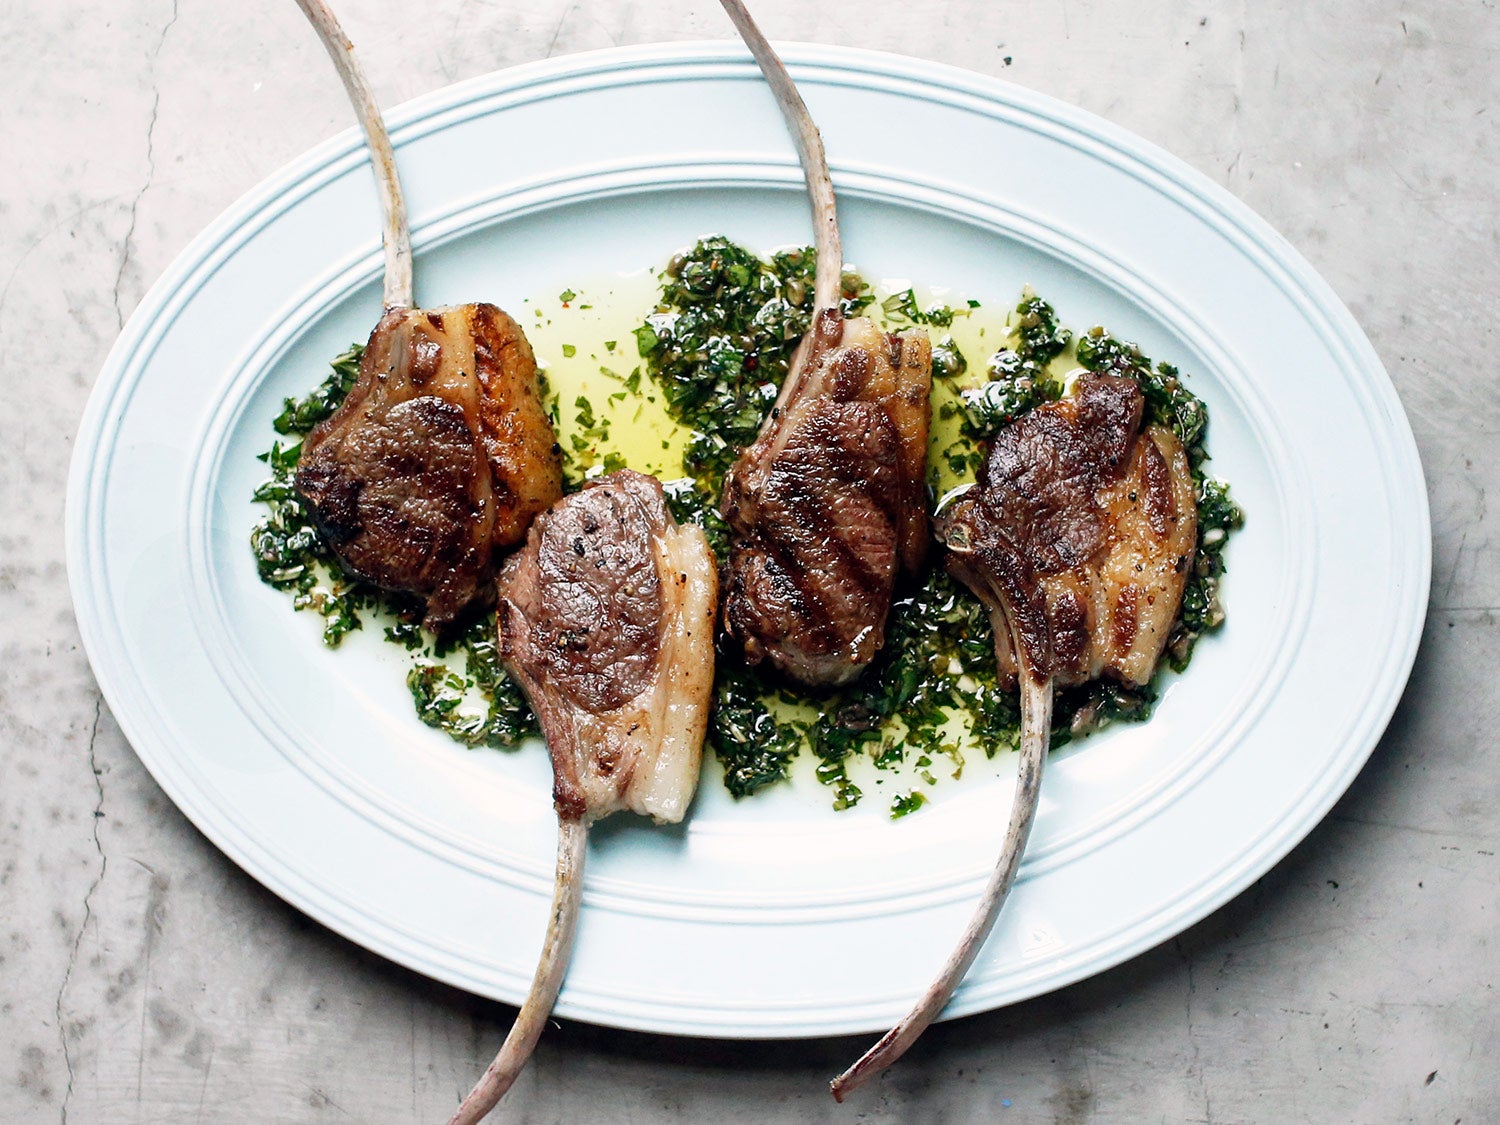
x: 1083, y: 526
x: 1042, y: 472
x: 519, y: 441
x: 828, y: 505
x: 440, y: 455
x: 605, y: 619
x: 592, y: 600
x: 817, y: 560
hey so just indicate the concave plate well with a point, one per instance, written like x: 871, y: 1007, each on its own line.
x: 772, y: 917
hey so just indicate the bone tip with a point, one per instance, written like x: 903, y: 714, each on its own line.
x: 846, y: 1083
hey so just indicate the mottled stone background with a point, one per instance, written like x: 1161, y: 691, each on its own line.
x: 144, y: 978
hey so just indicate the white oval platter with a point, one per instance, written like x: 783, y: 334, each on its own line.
x: 772, y: 917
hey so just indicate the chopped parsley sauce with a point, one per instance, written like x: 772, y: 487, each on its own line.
x: 714, y: 351
x: 289, y: 554
x: 720, y: 340
x: 457, y: 683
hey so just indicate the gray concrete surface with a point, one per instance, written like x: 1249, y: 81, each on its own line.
x: 144, y: 978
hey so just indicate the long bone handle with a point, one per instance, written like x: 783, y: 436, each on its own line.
x: 396, y: 235
x: 1036, y: 723
x: 557, y: 947
x: 828, y: 280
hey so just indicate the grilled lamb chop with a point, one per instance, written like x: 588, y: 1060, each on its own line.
x: 828, y: 505
x: 1097, y: 524
x: 1078, y: 537
x: 606, y: 620
x: 442, y: 453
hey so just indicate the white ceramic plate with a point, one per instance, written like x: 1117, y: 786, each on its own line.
x: 772, y: 917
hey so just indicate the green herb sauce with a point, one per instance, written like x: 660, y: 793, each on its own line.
x: 1031, y: 372
x: 715, y: 349
x: 444, y: 695
x: 456, y: 683
x: 719, y: 342
x: 289, y: 554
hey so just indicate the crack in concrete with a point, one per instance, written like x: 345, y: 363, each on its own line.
x: 1237, y: 120
x: 1192, y: 990
x: 556, y: 31
x: 88, y: 905
x: 135, y: 203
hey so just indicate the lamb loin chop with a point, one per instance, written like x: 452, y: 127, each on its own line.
x: 1078, y: 537
x: 1090, y: 522
x: 828, y: 505
x: 606, y: 620
x: 442, y: 453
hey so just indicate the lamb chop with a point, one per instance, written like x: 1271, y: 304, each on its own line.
x: 442, y: 453
x: 1078, y: 537
x: 828, y: 505
x: 606, y: 620
x: 1102, y: 511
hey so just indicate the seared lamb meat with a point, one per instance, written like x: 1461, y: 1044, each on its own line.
x: 1091, y: 523
x: 1079, y: 537
x: 442, y: 453
x: 606, y: 620
x: 828, y: 505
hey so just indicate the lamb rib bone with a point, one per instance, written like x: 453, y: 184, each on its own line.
x: 396, y: 235
x: 1078, y: 538
x: 828, y: 505
x: 442, y: 453
x: 606, y: 620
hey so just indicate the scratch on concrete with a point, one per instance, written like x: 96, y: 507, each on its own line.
x: 135, y: 204
x: 88, y: 904
x: 557, y: 31
x: 156, y: 891
x: 203, y: 1090
x: 1192, y: 991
